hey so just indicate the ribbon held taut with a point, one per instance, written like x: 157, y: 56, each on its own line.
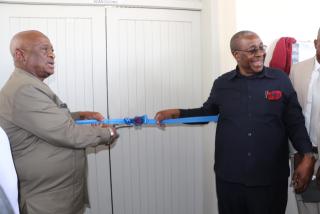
x: 144, y: 120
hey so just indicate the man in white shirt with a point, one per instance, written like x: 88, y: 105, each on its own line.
x: 8, y: 175
x: 306, y: 81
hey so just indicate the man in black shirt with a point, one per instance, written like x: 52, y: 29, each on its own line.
x: 258, y: 111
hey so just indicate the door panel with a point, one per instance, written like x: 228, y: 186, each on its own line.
x: 153, y: 59
x: 154, y: 63
x: 78, y: 37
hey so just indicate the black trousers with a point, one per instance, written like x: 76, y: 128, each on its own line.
x: 234, y: 198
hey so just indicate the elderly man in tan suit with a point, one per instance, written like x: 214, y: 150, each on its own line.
x: 47, y: 146
x: 306, y: 81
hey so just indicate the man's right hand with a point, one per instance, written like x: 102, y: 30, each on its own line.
x: 166, y: 114
x: 303, y: 173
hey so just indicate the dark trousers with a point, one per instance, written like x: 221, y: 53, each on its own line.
x: 234, y: 198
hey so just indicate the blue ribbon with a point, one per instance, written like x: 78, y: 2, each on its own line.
x: 144, y: 120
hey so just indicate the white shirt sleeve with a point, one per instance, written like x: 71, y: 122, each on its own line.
x: 8, y: 175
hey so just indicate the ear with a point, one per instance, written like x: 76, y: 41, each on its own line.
x: 19, y: 55
x: 236, y: 55
x: 315, y: 42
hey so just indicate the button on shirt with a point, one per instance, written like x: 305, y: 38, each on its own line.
x: 257, y: 114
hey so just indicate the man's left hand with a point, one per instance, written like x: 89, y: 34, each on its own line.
x: 303, y: 173
x: 86, y: 115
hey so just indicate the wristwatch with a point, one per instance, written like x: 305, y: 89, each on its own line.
x: 111, y: 131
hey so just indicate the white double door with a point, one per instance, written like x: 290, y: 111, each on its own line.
x: 125, y: 62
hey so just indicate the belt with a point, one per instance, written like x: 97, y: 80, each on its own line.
x: 315, y: 149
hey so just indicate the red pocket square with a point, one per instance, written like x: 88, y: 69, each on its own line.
x: 273, y: 95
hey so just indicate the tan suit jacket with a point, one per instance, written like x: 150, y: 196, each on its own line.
x: 47, y: 146
x: 300, y: 76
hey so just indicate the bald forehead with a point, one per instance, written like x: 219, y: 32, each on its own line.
x: 25, y: 39
x: 238, y: 39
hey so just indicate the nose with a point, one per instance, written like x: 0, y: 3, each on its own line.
x: 51, y: 54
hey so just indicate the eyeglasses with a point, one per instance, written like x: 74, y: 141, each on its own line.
x: 253, y: 51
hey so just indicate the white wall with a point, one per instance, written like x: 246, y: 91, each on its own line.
x: 273, y: 18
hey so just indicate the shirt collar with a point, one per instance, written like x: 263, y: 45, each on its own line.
x: 264, y: 73
x: 24, y: 73
x: 316, y: 64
